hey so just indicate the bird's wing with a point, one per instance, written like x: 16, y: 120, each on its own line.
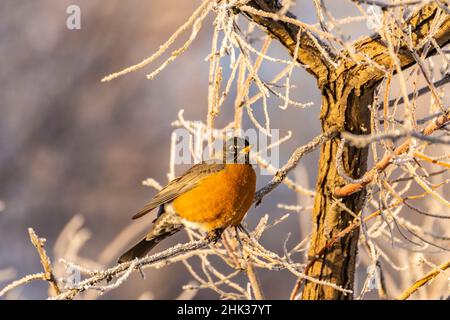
x: 180, y: 185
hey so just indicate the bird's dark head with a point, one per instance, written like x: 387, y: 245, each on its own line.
x: 236, y: 150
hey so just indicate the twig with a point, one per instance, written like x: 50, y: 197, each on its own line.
x: 45, y: 260
x: 256, y: 286
x: 384, y: 5
x: 431, y: 160
x: 291, y: 164
x: 356, y: 223
x: 22, y: 281
x: 422, y: 281
x: 123, y: 267
x: 362, y: 141
x: 47, y: 275
x: 368, y: 177
x: 193, y: 18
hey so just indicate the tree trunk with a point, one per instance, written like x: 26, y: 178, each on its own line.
x: 342, y: 109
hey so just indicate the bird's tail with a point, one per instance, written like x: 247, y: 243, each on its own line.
x: 162, y: 229
x: 143, y: 247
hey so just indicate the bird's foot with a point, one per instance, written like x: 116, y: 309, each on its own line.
x: 240, y: 227
x: 214, y: 235
x: 244, y: 230
x: 238, y: 237
x: 141, y: 272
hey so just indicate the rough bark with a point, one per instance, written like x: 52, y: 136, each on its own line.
x: 346, y: 94
x: 337, y: 264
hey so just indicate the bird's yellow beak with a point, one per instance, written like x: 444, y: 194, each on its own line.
x: 246, y: 149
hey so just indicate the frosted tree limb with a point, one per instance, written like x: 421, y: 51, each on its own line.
x: 47, y: 275
x: 45, y: 260
x: 291, y: 164
x: 22, y: 281
x: 387, y: 159
x: 423, y: 281
x: 163, y: 48
x: 122, y: 268
x: 385, y: 5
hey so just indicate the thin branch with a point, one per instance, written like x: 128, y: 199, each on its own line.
x: 361, y: 141
x: 47, y: 275
x: 384, y: 5
x: 368, y: 177
x: 356, y: 223
x: 423, y: 281
x: 22, y: 281
x: 254, y: 281
x: 45, y: 260
x: 313, y: 53
x: 197, y: 16
x: 137, y: 264
x: 291, y: 164
x: 431, y: 160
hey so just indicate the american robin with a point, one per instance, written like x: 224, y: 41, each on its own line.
x: 210, y: 196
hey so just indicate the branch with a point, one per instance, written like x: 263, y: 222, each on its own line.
x: 375, y: 49
x: 421, y: 91
x: 194, y: 20
x: 291, y: 164
x: 431, y: 160
x: 368, y: 177
x: 47, y: 275
x: 422, y: 281
x: 45, y: 260
x: 362, y: 141
x: 384, y: 5
x: 310, y: 51
x: 127, y: 267
x: 254, y: 281
x: 318, y: 57
x: 355, y: 224
x: 22, y: 281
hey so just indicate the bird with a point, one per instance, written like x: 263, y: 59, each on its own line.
x: 210, y: 196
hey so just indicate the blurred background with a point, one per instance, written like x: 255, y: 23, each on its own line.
x: 73, y: 146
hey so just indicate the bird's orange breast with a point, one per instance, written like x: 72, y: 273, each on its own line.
x: 220, y: 200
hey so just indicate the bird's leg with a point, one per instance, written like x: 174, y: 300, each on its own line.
x: 244, y: 230
x: 240, y: 227
x: 236, y: 229
x: 141, y: 272
x: 214, y: 235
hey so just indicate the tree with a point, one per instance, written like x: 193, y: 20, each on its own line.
x: 348, y: 83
